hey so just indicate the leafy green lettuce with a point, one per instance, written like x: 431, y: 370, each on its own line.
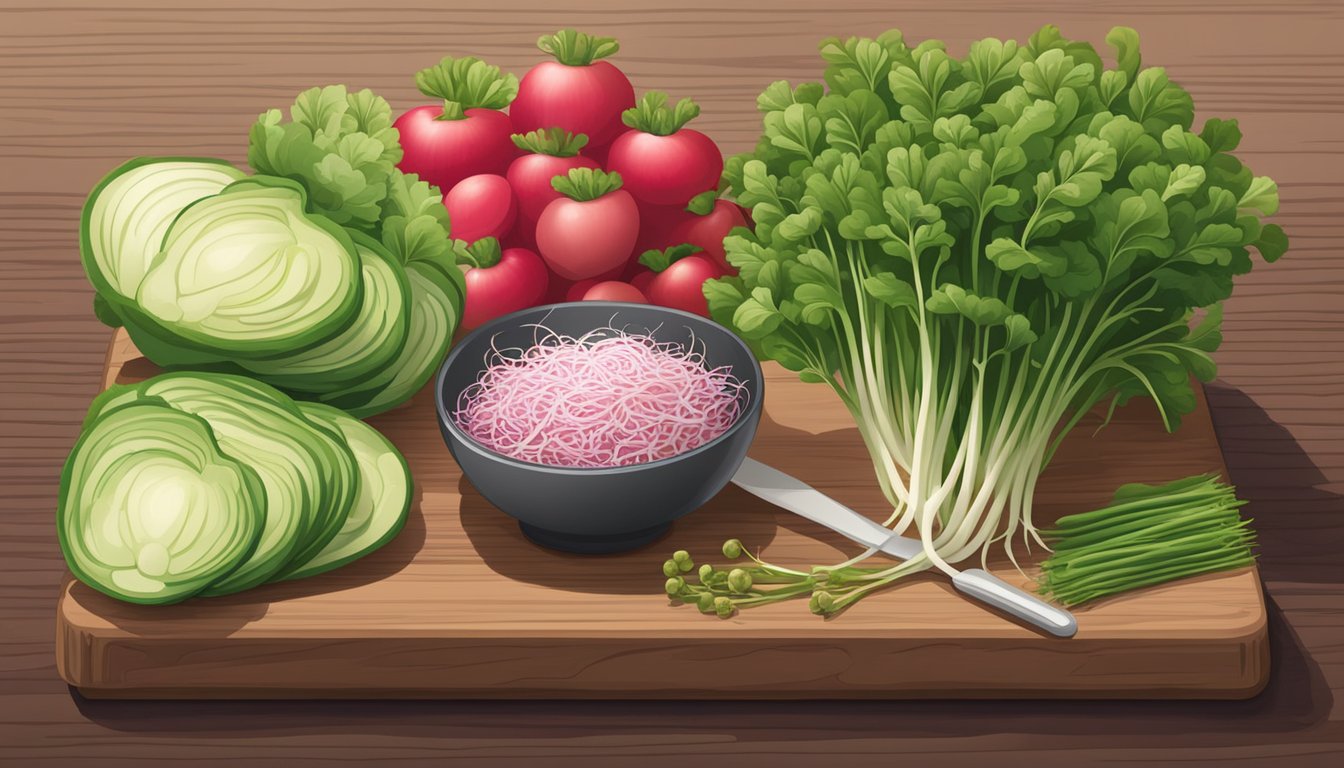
x: 343, y: 149
x: 340, y: 146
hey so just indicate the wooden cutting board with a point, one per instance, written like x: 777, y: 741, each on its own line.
x: 460, y: 605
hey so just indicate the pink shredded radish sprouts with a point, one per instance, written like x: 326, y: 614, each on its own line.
x: 606, y: 399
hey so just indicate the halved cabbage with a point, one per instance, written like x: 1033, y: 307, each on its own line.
x: 436, y: 305
x: 261, y: 427
x: 368, y: 346
x: 126, y: 215
x: 247, y: 273
x: 211, y: 270
x: 151, y: 510
x: 337, y: 475
x: 384, y: 500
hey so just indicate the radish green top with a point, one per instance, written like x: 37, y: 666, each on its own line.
x: 556, y: 142
x: 584, y: 184
x: 466, y: 83
x: 703, y: 203
x: 482, y: 254
x: 659, y: 260
x: 653, y: 115
x: 577, y: 49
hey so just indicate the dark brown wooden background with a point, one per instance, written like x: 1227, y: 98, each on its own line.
x: 84, y: 85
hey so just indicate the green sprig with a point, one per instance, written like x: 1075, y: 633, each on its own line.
x: 703, y: 203
x: 659, y: 260
x: 652, y: 115
x: 584, y: 184
x: 481, y: 254
x: 466, y: 83
x: 556, y: 142
x: 577, y: 49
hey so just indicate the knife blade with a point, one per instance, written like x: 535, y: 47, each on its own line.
x: 790, y: 493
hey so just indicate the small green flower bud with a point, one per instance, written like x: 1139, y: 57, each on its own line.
x: 821, y: 603
x: 705, y: 602
x: 739, y: 580
x: 683, y: 560
x: 706, y: 571
x: 674, y: 585
x: 723, y: 607
x: 670, y: 569
x: 732, y: 549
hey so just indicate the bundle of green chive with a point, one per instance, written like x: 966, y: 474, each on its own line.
x: 1150, y: 534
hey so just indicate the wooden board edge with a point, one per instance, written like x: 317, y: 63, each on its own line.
x: 1231, y: 669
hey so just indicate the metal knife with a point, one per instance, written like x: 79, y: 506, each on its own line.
x: 788, y: 492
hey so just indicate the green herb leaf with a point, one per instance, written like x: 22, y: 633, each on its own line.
x: 659, y: 260
x: 652, y: 115
x: 584, y: 184
x: 466, y: 83
x: 340, y: 147
x: 556, y: 142
x: 414, y: 225
x: 703, y: 203
x: 577, y: 49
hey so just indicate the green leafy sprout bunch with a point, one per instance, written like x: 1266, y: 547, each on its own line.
x: 973, y: 254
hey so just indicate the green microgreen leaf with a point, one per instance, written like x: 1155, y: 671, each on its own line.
x: 659, y: 260
x: 651, y: 114
x: 584, y: 184
x: 556, y: 142
x: 466, y: 83
x: 577, y: 49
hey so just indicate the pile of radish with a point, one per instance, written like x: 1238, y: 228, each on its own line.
x: 565, y: 187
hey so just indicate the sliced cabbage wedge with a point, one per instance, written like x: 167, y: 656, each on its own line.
x: 384, y: 500
x: 338, y: 477
x: 264, y: 431
x: 371, y: 343
x: 247, y: 273
x: 127, y: 214
x: 436, y: 308
x: 151, y: 509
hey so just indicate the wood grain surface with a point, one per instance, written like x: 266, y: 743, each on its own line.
x: 84, y: 85
x: 461, y: 605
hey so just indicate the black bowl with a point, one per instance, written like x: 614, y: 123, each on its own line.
x: 599, y: 510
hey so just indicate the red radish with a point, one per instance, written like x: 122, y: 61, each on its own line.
x: 561, y: 290
x: 573, y: 291
x: 577, y: 92
x: 591, y: 229
x: 642, y: 278
x: 468, y: 134
x: 678, y: 278
x: 500, y: 282
x: 656, y: 225
x: 663, y: 162
x: 716, y: 219
x: 614, y: 290
x: 480, y: 206
x: 550, y: 153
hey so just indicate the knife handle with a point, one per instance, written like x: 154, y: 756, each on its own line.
x: 997, y: 593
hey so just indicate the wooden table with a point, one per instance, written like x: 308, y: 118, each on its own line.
x: 84, y: 85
